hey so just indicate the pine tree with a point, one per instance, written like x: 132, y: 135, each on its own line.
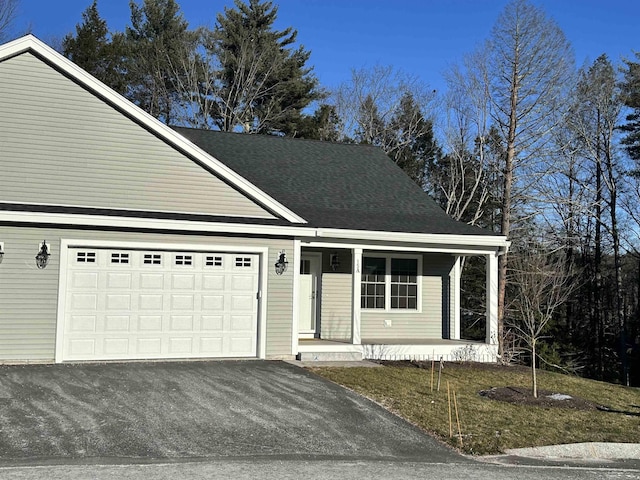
x: 158, y: 41
x: 263, y: 83
x: 93, y: 49
x: 631, y: 92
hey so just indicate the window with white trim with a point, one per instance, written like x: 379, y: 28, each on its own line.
x: 390, y: 283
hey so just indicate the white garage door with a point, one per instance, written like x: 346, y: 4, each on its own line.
x: 136, y: 304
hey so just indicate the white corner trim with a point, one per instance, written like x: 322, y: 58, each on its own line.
x: 30, y: 42
x: 297, y: 253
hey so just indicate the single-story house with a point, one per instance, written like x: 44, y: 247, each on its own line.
x: 122, y: 238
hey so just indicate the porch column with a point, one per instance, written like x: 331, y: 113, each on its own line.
x: 356, y: 269
x: 492, y: 299
x: 455, y: 317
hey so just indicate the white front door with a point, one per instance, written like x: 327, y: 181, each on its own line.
x: 310, y: 271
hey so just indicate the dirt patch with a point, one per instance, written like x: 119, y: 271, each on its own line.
x: 546, y: 398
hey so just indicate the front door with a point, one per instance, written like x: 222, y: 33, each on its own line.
x: 310, y: 271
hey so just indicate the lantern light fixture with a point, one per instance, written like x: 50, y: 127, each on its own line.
x: 1, y: 251
x: 282, y: 264
x: 334, y: 261
x: 42, y: 258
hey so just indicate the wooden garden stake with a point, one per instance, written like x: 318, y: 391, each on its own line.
x: 432, y: 368
x: 449, y: 404
x: 455, y: 405
x: 440, y: 373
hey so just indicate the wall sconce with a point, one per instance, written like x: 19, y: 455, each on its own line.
x: 1, y: 251
x: 42, y: 258
x: 334, y: 262
x: 282, y: 264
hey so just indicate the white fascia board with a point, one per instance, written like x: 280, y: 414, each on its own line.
x: 397, y: 247
x: 497, y: 241
x: 29, y: 42
x: 151, y: 223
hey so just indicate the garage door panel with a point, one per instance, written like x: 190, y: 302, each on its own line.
x: 124, y: 304
x: 211, y: 346
x: 151, y: 280
x: 82, y: 347
x: 119, y: 280
x: 150, y: 322
x: 84, y: 280
x: 83, y: 323
x: 84, y: 301
x: 183, y: 282
x: 116, y: 346
x: 213, y: 282
x: 150, y: 302
x: 118, y: 302
x: 212, y: 322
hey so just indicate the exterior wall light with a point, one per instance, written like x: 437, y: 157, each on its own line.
x: 334, y: 261
x: 1, y: 251
x: 282, y: 264
x: 42, y: 258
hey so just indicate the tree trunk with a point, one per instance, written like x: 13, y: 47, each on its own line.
x: 534, y: 378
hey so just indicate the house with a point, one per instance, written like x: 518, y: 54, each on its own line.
x: 123, y: 239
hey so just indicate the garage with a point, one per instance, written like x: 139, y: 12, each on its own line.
x: 123, y: 304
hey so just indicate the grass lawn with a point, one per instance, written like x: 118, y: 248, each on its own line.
x: 491, y: 426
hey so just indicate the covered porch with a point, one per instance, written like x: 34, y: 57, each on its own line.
x: 388, y: 302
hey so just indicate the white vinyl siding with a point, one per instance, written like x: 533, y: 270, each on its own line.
x: 29, y: 297
x: 427, y: 323
x: 335, y: 317
x: 61, y: 145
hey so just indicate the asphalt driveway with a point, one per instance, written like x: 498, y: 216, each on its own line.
x: 196, y: 410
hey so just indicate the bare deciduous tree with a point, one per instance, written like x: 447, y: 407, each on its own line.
x: 8, y: 14
x: 529, y: 66
x: 541, y: 284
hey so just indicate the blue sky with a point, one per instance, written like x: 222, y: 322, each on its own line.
x: 421, y: 37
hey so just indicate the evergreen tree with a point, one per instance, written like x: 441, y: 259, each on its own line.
x: 631, y: 91
x: 263, y: 83
x: 93, y: 49
x: 158, y: 42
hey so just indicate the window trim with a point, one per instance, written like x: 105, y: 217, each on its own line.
x: 387, y: 283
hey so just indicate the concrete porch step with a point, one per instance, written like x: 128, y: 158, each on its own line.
x: 330, y: 356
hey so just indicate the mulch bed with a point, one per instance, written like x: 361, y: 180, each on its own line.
x: 546, y: 398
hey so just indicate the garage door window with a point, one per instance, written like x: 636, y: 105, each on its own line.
x: 213, y: 261
x: 184, y: 260
x: 86, y: 257
x: 119, y: 258
x: 243, y: 262
x: 152, y: 259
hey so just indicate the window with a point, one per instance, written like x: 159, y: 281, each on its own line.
x: 86, y: 257
x: 243, y: 262
x: 373, y: 282
x: 390, y: 283
x: 119, y: 258
x: 213, y: 261
x: 184, y: 260
x: 152, y: 259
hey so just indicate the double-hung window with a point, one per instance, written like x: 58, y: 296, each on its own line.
x: 390, y: 283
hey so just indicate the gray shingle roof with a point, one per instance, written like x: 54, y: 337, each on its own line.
x: 331, y: 185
